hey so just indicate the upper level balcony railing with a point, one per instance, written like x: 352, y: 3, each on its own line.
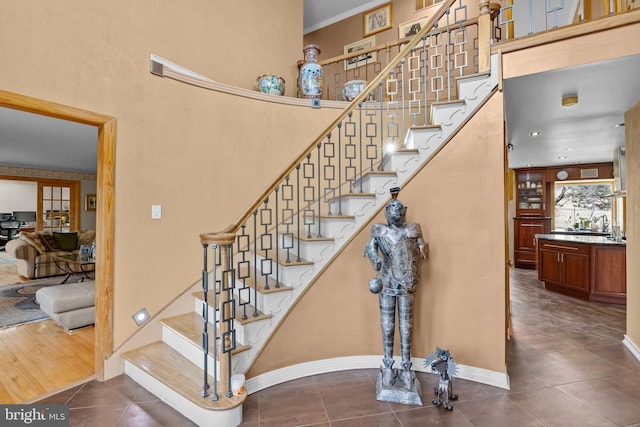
x: 520, y: 18
x: 450, y: 50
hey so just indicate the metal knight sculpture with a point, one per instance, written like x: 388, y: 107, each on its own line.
x: 401, y: 246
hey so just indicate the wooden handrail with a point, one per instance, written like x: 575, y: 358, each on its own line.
x: 369, y: 88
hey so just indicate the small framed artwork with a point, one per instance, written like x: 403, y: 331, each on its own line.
x: 90, y: 202
x: 378, y: 19
x: 366, y: 58
x: 411, y: 28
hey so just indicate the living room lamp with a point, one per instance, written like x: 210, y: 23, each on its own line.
x: 140, y: 316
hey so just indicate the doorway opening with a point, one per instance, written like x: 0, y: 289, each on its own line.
x: 104, y: 207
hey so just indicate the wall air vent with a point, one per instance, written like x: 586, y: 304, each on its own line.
x: 589, y: 173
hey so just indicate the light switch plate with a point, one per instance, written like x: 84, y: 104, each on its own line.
x: 156, y: 211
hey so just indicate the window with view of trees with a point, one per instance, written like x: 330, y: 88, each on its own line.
x: 583, y: 205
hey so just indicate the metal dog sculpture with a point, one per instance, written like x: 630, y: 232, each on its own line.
x: 443, y: 364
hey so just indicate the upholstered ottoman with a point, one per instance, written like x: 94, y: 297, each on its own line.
x: 71, y: 305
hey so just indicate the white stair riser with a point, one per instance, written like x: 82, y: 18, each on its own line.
x: 200, y: 416
x: 351, y: 205
x: 446, y: 114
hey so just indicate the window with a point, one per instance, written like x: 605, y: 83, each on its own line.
x: 583, y: 205
x: 421, y: 4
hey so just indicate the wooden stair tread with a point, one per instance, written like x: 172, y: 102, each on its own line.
x: 351, y: 195
x: 422, y: 127
x: 272, y: 286
x: 282, y: 259
x: 337, y: 216
x: 189, y: 325
x: 169, y: 367
x: 313, y: 238
x: 250, y: 309
x: 450, y: 102
x: 379, y: 172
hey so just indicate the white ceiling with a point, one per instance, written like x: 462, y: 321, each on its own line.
x: 605, y: 91
x: 35, y: 141
x: 583, y: 133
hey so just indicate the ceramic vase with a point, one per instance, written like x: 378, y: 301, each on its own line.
x: 353, y: 88
x: 271, y: 84
x: 311, y: 76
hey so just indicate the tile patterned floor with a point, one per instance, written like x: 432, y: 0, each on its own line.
x: 566, y: 363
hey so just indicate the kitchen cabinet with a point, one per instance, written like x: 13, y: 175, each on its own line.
x: 524, y: 232
x: 609, y: 274
x: 587, y: 267
x: 530, y: 192
x: 564, y: 267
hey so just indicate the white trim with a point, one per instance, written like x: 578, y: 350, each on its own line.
x: 197, y: 414
x: 301, y: 370
x: 343, y: 15
x: 176, y: 67
x: 631, y: 346
x: 184, y: 75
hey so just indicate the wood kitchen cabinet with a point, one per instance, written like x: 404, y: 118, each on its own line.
x: 609, y: 274
x: 524, y: 231
x: 564, y: 267
x: 530, y: 192
x: 594, y: 270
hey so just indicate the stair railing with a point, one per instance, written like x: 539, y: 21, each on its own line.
x: 533, y: 16
x: 267, y: 235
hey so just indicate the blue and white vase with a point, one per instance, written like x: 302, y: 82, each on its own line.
x: 271, y: 84
x: 353, y: 88
x: 311, y: 75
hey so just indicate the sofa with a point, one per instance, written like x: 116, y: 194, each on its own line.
x: 34, y: 251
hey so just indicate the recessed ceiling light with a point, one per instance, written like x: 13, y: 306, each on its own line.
x: 562, y: 157
x: 570, y: 149
x: 569, y: 100
x: 619, y: 125
x: 529, y: 165
x: 535, y: 133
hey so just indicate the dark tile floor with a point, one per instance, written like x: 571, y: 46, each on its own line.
x: 566, y: 363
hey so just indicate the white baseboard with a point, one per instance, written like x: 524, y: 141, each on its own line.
x: 278, y: 376
x: 632, y: 347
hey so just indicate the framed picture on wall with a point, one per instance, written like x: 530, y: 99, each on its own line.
x: 378, y: 19
x: 90, y: 202
x: 365, y: 58
x: 411, y: 28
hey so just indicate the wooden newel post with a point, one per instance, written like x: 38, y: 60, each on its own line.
x: 224, y: 241
x: 484, y: 37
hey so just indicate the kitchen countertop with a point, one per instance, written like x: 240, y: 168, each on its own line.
x: 580, y: 238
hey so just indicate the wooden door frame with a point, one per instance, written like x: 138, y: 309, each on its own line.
x: 104, y: 212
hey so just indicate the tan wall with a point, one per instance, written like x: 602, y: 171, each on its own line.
x: 459, y: 201
x: 585, y: 49
x: 178, y: 146
x: 632, y: 143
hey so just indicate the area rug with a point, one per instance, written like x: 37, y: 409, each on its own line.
x: 18, y: 303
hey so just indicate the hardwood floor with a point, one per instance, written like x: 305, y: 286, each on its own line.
x: 41, y: 358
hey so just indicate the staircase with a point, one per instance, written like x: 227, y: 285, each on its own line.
x: 173, y: 368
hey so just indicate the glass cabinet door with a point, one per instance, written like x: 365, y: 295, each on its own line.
x: 530, y: 191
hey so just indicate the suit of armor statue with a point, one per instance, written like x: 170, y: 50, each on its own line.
x: 401, y: 246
